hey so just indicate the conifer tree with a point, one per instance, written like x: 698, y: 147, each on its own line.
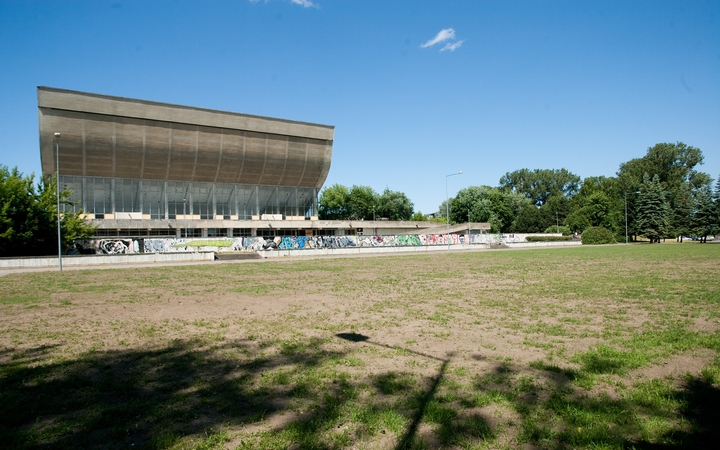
x: 652, y: 210
x: 704, y: 215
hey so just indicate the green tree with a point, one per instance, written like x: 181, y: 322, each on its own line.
x: 538, y: 185
x: 674, y: 164
x: 333, y: 202
x: 598, y: 210
x: 28, y: 216
x: 531, y: 219
x: 716, y: 203
x: 362, y: 201
x: 419, y: 217
x: 394, y: 205
x: 682, y: 220
x: 652, y: 210
x: 704, y: 219
x: 486, y: 204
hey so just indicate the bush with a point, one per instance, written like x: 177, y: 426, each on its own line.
x: 548, y: 238
x: 597, y: 236
x: 564, y: 230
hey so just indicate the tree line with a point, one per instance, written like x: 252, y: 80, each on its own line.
x: 28, y: 216
x: 659, y: 195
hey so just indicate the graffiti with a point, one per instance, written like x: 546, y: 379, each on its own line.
x: 254, y: 244
x: 105, y: 246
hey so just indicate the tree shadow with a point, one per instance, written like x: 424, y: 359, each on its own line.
x: 566, y: 416
x: 145, y: 398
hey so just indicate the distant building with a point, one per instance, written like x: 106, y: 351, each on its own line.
x: 146, y: 169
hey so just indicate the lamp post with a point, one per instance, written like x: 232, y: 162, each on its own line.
x: 185, y: 217
x: 374, y: 224
x: 557, y: 222
x: 468, y: 222
x: 57, y: 186
x: 626, y: 227
x: 447, y: 205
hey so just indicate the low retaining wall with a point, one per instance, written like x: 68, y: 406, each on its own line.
x: 96, y: 260
x: 409, y: 249
x: 365, y: 250
x: 544, y: 244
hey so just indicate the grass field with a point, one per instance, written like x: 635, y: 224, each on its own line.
x: 590, y: 347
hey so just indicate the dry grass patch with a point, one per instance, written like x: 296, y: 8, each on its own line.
x: 605, y: 347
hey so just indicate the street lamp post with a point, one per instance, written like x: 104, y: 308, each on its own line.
x: 447, y: 205
x: 374, y: 224
x: 57, y: 186
x: 185, y: 217
x: 557, y: 223
x: 468, y: 222
x: 626, y: 227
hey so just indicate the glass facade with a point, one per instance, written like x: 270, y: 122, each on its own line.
x: 155, y: 199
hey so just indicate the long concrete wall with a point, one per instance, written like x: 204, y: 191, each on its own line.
x: 99, y: 260
x: 418, y: 249
x: 256, y: 244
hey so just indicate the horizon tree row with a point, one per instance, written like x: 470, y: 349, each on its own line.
x: 661, y: 194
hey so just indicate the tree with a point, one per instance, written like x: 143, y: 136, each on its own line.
x: 538, y: 185
x: 682, y: 220
x: 598, y: 210
x: 394, y: 205
x: 674, y: 164
x: 333, y: 202
x: 652, y: 208
x: 704, y: 219
x: 486, y: 204
x: 531, y: 219
x: 419, y: 217
x: 338, y: 202
x: 362, y: 201
x: 716, y: 203
x: 28, y: 216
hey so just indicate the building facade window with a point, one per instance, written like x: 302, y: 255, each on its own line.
x: 157, y: 199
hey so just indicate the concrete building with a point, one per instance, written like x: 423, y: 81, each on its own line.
x: 142, y: 169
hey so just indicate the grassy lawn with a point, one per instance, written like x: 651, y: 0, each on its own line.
x: 589, y: 347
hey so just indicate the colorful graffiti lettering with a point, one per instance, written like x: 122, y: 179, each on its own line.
x: 238, y: 244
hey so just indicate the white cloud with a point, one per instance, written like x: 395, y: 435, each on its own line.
x: 443, y: 35
x: 303, y: 3
x: 452, y: 46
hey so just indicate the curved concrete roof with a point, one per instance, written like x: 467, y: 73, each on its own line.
x: 104, y: 136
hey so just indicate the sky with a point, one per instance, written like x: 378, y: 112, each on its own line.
x: 416, y: 90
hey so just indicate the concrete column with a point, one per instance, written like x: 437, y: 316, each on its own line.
x: 257, y: 199
x: 190, y: 199
x: 214, y: 203
x: 83, y: 195
x: 165, y: 199
x: 112, y: 195
x: 140, y: 196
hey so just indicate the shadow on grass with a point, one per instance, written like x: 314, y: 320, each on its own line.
x: 142, y: 398
x: 570, y: 418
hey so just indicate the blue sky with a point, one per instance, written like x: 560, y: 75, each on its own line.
x: 416, y: 89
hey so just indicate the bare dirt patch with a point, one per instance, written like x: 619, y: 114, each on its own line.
x: 486, y: 349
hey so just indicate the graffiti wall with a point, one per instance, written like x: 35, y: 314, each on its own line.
x: 104, y: 247
x: 169, y: 245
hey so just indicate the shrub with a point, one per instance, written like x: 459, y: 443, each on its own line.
x: 564, y: 230
x: 598, y: 235
x: 548, y: 238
